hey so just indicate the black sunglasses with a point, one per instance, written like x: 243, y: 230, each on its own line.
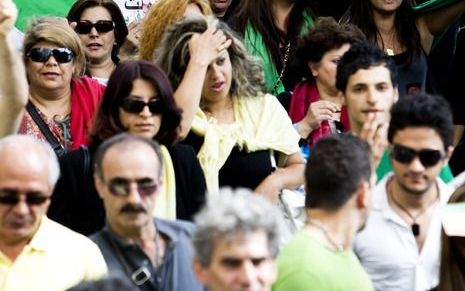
x: 41, y: 55
x: 136, y: 106
x: 121, y: 187
x: 405, y: 155
x: 11, y: 197
x: 84, y: 26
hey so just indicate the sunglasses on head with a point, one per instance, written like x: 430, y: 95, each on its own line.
x: 12, y: 197
x: 41, y: 55
x: 121, y: 187
x: 136, y: 106
x: 84, y: 26
x: 406, y: 155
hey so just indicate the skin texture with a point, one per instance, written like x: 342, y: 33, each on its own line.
x: 50, y: 75
x: 217, y: 82
x: 414, y: 178
x: 220, y: 7
x: 145, y: 123
x: 239, y: 263
x: 97, y: 45
x: 385, y: 6
x: 129, y: 216
x: 26, y: 174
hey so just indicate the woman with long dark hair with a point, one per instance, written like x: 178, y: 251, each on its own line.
x: 404, y: 34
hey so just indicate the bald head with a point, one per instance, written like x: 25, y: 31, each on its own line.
x: 22, y: 153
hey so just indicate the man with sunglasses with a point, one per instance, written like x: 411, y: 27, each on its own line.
x: 154, y: 254
x: 35, y: 252
x: 400, y: 245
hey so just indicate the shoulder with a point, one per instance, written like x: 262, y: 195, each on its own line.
x: 181, y: 151
x: 59, y: 235
x: 88, y: 86
x: 175, y: 228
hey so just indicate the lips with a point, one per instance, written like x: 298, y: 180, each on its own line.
x: 144, y: 126
x: 94, y: 46
x: 218, y: 86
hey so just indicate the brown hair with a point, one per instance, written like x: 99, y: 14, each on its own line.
x: 55, y: 30
x: 160, y: 16
x: 452, y: 272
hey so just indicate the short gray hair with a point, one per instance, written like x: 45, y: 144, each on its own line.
x: 233, y: 213
x: 17, y: 140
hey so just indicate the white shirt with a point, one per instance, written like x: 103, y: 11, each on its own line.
x: 388, y: 250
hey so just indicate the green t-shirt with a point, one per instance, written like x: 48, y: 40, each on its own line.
x: 385, y: 167
x: 305, y: 265
x: 29, y: 9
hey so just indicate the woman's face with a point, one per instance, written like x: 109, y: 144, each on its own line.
x: 386, y: 6
x: 325, y: 71
x: 143, y: 123
x: 218, y: 79
x: 54, y: 73
x: 97, y: 45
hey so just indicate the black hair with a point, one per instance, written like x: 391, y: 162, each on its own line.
x: 423, y: 110
x: 336, y: 167
x: 363, y: 55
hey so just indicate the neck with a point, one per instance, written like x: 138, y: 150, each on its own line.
x: 409, y: 200
x: 384, y: 21
x: 221, y: 110
x: 339, y: 228
x: 12, y: 251
x: 102, y: 69
x: 329, y: 94
x: 141, y: 236
x: 355, y: 127
x: 281, y: 10
x: 52, y: 103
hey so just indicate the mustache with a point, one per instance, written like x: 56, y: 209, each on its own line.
x: 133, y: 208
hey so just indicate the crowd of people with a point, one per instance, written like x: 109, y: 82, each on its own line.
x: 231, y: 145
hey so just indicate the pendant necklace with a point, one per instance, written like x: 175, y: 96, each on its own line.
x: 336, y: 246
x: 414, y: 226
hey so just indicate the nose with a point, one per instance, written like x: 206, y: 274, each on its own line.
x: 416, y: 165
x: 248, y: 275
x: 146, y: 111
x: 93, y: 31
x: 51, y: 61
x: 372, y: 96
x: 214, y: 72
x: 133, y: 196
x: 21, y: 207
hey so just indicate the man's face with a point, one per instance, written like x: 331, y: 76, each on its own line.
x: 370, y: 92
x: 24, y: 178
x: 414, y: 177
x: 129, y: 186
x: 240, y: 263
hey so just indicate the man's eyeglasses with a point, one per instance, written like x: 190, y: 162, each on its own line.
x: 406, y: 155
x: 41, y: 55
x: 121, y: 187
x: 12, y: 197
x: 130, y: 105
x: 84, y: 27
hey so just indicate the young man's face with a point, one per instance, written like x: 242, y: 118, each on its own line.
x: 370, y: 92
x: 242, y: 262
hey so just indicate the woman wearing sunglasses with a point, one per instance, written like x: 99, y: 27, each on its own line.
x: 226, y: 117
x: 138, y: 100
x: 62, y: 101
x: 101, y: 27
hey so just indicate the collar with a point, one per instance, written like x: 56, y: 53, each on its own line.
x: 41, y: 239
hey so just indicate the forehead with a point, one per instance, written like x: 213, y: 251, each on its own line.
x: 239, y: 246
x: 96, y: 13
x: 45, y: 44
x: 131, y: 161
x: 370, y: 76
x: 23, y: 172
x: 418, y: 138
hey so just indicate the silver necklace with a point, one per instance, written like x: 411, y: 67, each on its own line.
x: 336, y: 246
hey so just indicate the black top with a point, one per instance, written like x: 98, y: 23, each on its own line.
x: 76, y: 204
x: 241, y: 169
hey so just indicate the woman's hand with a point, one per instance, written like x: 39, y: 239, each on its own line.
x: 204, y: 48
x: 316, y: 113
x: 8, y: 15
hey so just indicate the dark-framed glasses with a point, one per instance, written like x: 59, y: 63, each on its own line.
x: 41, y: 55
x: 131, y: 105
x: 12, y: 197
x: 427, y: 157
x: 122, y: 187
x: 84, y: 26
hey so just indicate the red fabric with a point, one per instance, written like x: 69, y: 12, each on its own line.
x: 85, y: 98
x: 304, y: 94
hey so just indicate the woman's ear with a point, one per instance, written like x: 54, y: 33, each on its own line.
x: 313, y: 68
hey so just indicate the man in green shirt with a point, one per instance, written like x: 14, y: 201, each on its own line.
x: 338, y: 184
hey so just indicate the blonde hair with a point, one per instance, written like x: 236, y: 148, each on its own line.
x: 160, y: 16
x: 55, y: 30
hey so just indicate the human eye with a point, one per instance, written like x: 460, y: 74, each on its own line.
x: 231, y: 263
x: 220, y: 61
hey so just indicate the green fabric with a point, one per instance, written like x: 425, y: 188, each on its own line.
x: 29, y: 9
x: 306, y: 265
x: 385, y: 167
x: 432, y: 5
x: 254, y: 43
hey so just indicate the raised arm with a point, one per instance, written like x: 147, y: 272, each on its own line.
x: 203, y: 49
x: 13, y: 82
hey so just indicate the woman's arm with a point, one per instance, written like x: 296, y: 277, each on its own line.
x: 288, y: 177
x: 13, y: 82
x: 434, y: 22
x: 203, y: 50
